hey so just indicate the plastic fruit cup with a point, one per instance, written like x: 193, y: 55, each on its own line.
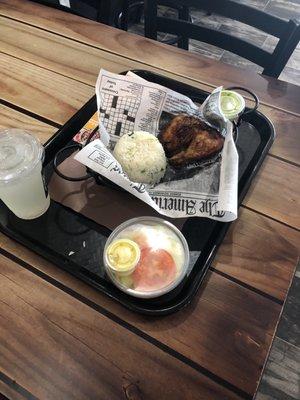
x: 156, y: 262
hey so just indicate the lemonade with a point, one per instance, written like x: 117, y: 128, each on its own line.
x: 21, y: 184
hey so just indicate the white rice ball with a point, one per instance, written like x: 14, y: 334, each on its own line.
x: 141, y: 156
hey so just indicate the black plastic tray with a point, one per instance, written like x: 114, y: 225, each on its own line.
x: 61, y: 230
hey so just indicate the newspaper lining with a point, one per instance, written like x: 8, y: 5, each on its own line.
x: 127, y: 103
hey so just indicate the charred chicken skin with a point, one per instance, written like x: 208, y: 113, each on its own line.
x: 187, y: 139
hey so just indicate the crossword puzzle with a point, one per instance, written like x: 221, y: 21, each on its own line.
x: 118, y: 113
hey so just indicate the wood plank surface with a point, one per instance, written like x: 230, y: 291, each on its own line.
x: 42, y: 92
x: 11, y: 390
x: 260, y: 252
x: 70, y: 58
x: 288, y: 274
x: 168, y: 58
x: 276, y: 192
x: 7, y: 392
x: 57, y: 97
x: 235, y: 256
x: 86, y: 360
x: 227, y: 330
x: 225, y: 335
x: 81, y: 62
x: 10, y: 118
x: 73, y: 59
x: 286, y: 144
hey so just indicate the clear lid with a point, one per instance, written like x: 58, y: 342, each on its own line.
x: 146, y: 257
x: 232, y: 104
x: 19, y: 154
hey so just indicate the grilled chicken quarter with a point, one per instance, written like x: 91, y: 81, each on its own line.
x: 187, y: 139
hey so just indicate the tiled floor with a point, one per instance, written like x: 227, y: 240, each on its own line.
x: 281, y: 378
x: 288, y: 9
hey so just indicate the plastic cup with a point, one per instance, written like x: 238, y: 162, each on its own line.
x: 160, y: 264
x: 232, y: 104
x: 22, y: 187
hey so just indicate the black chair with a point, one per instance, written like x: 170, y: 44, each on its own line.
x: 136, y: 9
x: 288, y: 32
x: 133, y: 10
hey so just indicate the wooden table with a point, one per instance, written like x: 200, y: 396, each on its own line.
x: 61, y: 339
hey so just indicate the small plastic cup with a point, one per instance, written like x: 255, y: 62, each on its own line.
x: 152, y: 257
x: 232, y: 104
x: 22, y: 188
x: 122, y: 256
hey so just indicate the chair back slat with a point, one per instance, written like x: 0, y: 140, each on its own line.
x: 273, y: 63
x: 283, y: 52
x: 268, y: 23
x: 216, y: 38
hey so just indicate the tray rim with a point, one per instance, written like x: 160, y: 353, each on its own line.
x: 222, y: 227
